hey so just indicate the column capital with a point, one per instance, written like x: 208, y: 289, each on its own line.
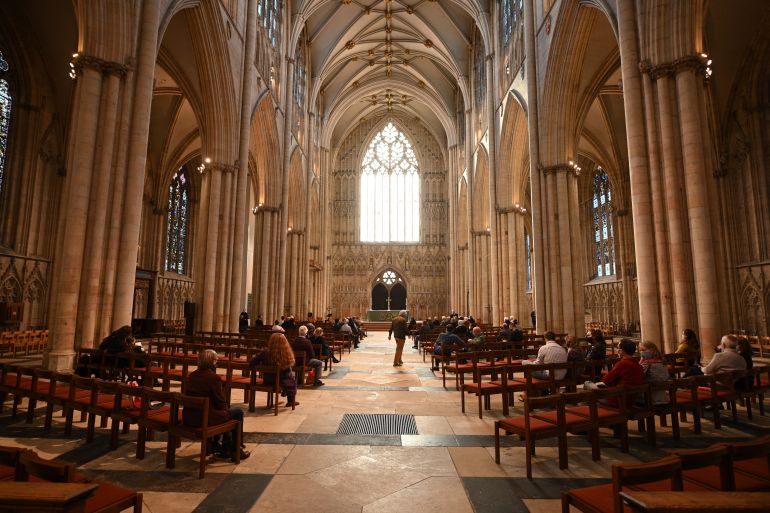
x: 559, y: 168
x: 221, y: 166
x: 687, y: 63
x: 80, y: 61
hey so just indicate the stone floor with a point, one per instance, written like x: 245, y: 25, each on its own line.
x: 299, y: 464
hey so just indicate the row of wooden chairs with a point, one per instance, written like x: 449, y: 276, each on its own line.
x: 24, y: 465
x: 23, y: 342
x: 557, y: 414
x: 739, y: 467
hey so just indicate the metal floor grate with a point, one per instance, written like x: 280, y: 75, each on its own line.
x: 377, y: 424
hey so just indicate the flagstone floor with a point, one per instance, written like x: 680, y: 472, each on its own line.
x: 299, y: 464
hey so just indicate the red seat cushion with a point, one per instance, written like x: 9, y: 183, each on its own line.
x: 757, y: 467
x: 517, y: 424
x: 106, y: 495
x: 600, y: 497
x: 569, y: 418
x: 665, y: 486
x: 603, y: 412
x: 484, y: 387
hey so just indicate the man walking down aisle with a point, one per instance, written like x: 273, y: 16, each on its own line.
x: 398, y: 329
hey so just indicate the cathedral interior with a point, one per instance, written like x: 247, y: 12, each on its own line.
x: 572, y: 164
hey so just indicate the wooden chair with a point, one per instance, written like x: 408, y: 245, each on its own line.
x: 606, y: 498
x: 153, y: 420
x: 178, y: 430
x: 484, y: 389
x: 529, y: 427
x: 266, y: 378
x: 327, y: 359
x: 669, y: 407
x: 9, y: 456
x: 610, y: 412
x: 709, y: 469
x: 107, y: 498
x: 751, y: 461
x: 640, y: 408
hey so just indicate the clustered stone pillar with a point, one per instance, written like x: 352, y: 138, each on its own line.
x: 673, y: 229
x: 94, y: 270
x: 492, y: 316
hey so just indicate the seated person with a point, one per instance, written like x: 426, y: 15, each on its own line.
x: 478, y: 339
x: 727, y: 359
x: 243, y: 322
x: 326, y: 349
x: 445, y: 342
x: 598, y: 349
x: 626, y: 371
x: 551, y: 352
x: 517, y: 336
x: 424, y: 333
x: 505, y: 334
x: 575, y: 354
x: 205, y: 382
x: 303, y: 347
x: 655, y: 370
x: 279, y: 353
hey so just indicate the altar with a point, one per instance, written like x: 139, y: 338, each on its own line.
x: 382, y: 315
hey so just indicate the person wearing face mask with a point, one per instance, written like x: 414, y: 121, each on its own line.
x: 654, y: 369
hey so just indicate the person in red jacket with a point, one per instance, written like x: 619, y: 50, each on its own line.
x: 627, y: 372
x: 205, y: 382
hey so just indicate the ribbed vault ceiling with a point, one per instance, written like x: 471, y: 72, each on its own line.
x: 409, y: 56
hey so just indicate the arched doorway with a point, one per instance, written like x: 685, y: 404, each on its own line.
x: 389, y: 291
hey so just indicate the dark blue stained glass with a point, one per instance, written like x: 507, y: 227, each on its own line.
x: 506, y: 20
x: 178, y: 222
x: 604, y: 252
x: 528, y: 257
x: 5, y: 122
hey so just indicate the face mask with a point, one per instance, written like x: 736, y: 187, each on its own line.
x: 646, y: 355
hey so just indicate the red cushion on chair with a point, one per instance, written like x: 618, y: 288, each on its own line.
x: 517, y: 424
x: 603, y: 412
x: 600, y: 497
x: 756, y: 467
x: 569, y: 418
x: 106, y: 495
x: 665, y: 486
x: 484, y: 386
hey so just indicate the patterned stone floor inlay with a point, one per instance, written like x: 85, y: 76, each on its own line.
x: 433, y: 458
x: 377, y: 424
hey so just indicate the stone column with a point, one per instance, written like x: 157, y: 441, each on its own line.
x: 641, y: 199
x: 469, y: 290
x: 451, y: 184
x: 137, y: 157
x: 75, y: 201
x: 97, y: 214
x: 513, y: 264
x: 248, y: 87
x: 284, y: 224
x: 674, y: 200
x: 698, y: 205
x: 538, y: 260
x: 668, y: 334
x: 494, y: 242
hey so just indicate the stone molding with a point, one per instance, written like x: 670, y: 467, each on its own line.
x: 100, y: 65
x: 669, y: 69
x: 558, y: 168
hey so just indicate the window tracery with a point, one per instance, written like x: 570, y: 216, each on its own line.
x: 269, y: 11
x: 390, y: 189
x: 528, y: 258
x: 5, y: 119
x: 604, y: 239
x: 178, y: 222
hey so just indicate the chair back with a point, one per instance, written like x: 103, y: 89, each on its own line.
x: 186, y: 401
x: 715, y: 456
x: 30, y: 464
x: 629, y: 475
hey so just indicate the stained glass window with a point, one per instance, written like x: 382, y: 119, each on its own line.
x: 505, y: 21
x: 269, y: 11
x: 479, y: 75
x: 528, y: 258
x: 178, y: 221
x: 603, y: 237
x: 300, y: 76
x: 390, y: 189
x: 5, y: 119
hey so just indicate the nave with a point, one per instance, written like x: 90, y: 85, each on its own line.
x: 299, y: 462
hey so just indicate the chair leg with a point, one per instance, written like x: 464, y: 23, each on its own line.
x: 462, y: 401
x: 563, y: 457
x: 90, y: 429
x: 141, y: 437
x: 202, y: 464
x: 675, y: 426
x: 32, y: 404
x: 596, y: 452
x: 651, y: 435
x: 497, y: 442
x: 170, y: 452
x: 749, y: 413
x: 529, y: 452
x: 624, y: 437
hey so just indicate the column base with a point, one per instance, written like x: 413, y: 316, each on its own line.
x: 59, y: 360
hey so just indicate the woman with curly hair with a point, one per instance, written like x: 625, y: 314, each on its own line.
x: 279, y: 353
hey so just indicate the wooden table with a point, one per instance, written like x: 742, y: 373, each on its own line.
x: 21, y: 496
x: 697, y: 502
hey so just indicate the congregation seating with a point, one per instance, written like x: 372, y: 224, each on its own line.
x: 25, y: 342
x: 730, y: 467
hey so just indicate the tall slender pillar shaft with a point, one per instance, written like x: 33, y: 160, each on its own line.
x: 240, y: 244
x: 641, y: 199
x: 494, y: 242
x: 282, y: 240
x: 132, y: 201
